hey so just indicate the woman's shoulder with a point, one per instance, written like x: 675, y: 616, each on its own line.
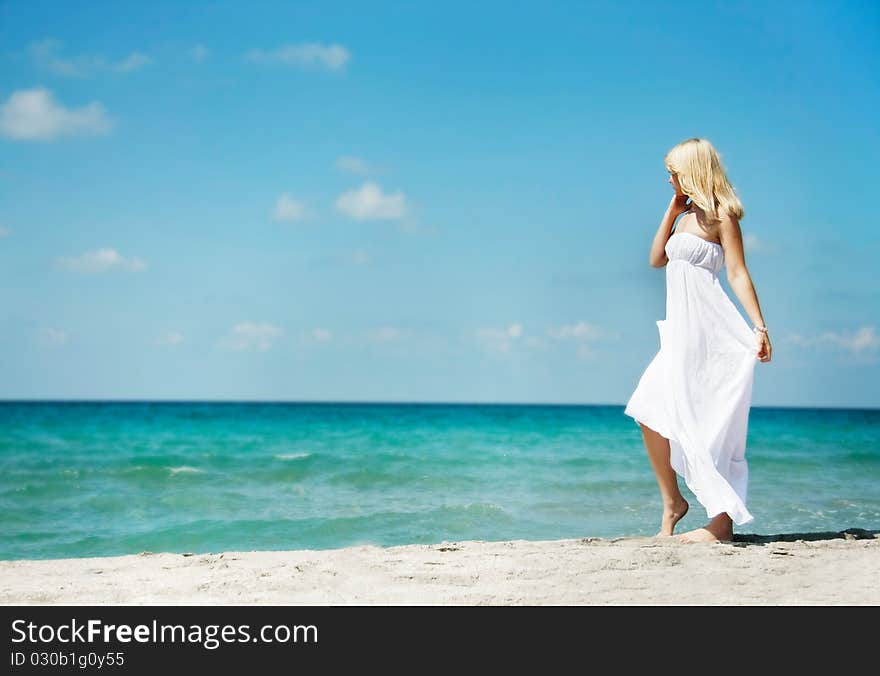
x: 727, y: 214
x: 727, y: 221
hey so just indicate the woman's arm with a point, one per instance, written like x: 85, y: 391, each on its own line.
x: 657, y: 255
x: 739, y: 278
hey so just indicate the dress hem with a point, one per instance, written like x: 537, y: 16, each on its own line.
x: 741, y: 513
x: 649, y: 422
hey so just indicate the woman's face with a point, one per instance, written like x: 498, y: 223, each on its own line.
x: 673, y: 179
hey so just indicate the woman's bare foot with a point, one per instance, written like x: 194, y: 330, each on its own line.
x: 671, y: 516
x: 719, y: 529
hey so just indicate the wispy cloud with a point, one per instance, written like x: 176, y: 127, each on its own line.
x: 50, y: 337
x: 580, y: 331
x: 308, y: 338
x: 582, y: 335
x: 369, y: 203
x: 500, y: 339
x: 386, y: 334
x: 360, y: 257
x: 170, y: 338
x: 131, y: 62
x: 200, y: 53
x: 288, y: 209
x: 504, y: 339
x: 354, y: 165
x: 252, y: 336
x: 754, y: 244
x: 4, y: 232
x: 310, y: 55
x: 45, y: 53
x: 322, y: 335
x: 101, y: 260
x: 860, y: 342
x: 35, y: 115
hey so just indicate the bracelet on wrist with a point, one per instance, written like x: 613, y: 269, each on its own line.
x: 760, y: 329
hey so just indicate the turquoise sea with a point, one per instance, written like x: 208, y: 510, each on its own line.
x: 107, y: 478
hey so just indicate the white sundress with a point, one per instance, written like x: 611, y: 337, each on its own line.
x: 697, y: 389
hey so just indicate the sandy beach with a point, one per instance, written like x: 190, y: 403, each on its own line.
x: 791, y: 569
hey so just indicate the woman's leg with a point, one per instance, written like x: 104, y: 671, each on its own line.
x: 674, y: 504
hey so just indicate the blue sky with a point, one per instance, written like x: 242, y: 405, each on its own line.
x: 394, y: 201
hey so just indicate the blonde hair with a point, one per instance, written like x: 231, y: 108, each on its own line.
x: 702, y: 178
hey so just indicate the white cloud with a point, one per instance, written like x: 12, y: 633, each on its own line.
x: 307, y: 55
x: 4, y: 232
x: 861, y: 341
x: 131, y: 62
x: 354, y: 165
x: 500, y: 340
x: 289, y: 209
x: 308, y: 338
x: 101, y: 260
x: 52, y: 337
x: 751, y: 243
x: 171, y: 338
x: 199, y: 53
x: 33, y: 114
x: 44, y: 52
x: 386, y: 334
x: 864, y: 339
x: 322, y: 335
x: 360, y: 257
x: 580, y: 331
x: 582, y: 334
x: 250, y: 335
x: 504, y: 339
x: 369, y: 203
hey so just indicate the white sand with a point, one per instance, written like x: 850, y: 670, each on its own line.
x: 819, y: 569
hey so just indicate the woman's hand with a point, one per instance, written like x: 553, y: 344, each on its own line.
x: 764, y: 347
x: 678, y: 205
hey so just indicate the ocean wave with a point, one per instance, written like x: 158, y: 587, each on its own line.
x: 474, y: 508
x: 184, y: 469
x: 291, y: 456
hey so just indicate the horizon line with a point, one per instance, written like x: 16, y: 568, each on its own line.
x: 381, y: 403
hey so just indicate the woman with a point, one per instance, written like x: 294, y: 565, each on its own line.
x: 692, y: 402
